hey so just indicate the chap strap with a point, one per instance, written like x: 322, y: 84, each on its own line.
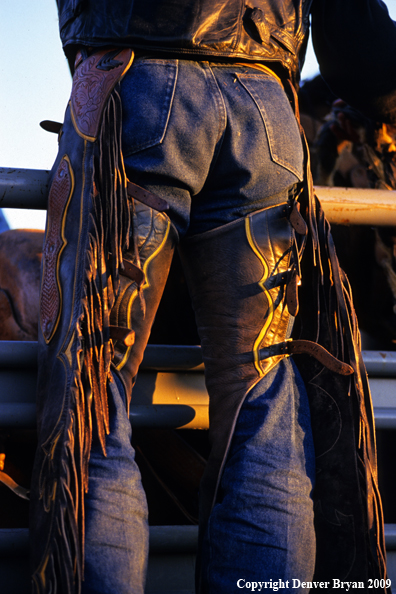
x: 307, y: 347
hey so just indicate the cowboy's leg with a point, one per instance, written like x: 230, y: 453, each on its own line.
x: 116, y: 514
x: 116, y: 509
x: 261, y: 525
x: 85, y: 340
x: 116, y: 544
x: 81, y: 257
x: 261, y: 528
x: 261, y: 513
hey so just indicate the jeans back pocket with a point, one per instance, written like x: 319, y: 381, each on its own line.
x: 147, y: 93
x: 280, y: 124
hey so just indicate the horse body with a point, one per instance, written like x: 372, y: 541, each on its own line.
x: 20, y: 260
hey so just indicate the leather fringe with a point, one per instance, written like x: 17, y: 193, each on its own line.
x: 109, y: 235
x: 335, y: 327
x: 108, y: 238
x: 62, y: 569
x: 333, y: 302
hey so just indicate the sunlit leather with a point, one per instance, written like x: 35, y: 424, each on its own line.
x: 135, y: 307
x: 266, y: 30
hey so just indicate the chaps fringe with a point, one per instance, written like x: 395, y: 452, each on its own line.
x: 335, y: 327
x: 63, y: 567
x: 336, y: 314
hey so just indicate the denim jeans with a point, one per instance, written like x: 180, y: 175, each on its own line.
x: 217, y: 141
x: 261, y: 528
x: 116, y: 541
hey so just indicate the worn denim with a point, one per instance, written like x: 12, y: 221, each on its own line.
x: 217, y: 141
x: 116, y: 541
x: 262, y: 529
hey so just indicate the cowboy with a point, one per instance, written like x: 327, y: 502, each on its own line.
x: 182, y: 130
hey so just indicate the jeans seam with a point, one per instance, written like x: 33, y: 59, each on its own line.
x: 220, y: 104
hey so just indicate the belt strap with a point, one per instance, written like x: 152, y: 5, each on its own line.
x: 307, y: 347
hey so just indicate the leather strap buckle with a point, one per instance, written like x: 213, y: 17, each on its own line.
x: 146, y: 197
x: 307, y: 347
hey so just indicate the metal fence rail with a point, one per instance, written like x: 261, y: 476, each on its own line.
x: 170, y: 391
x: 172, y: 551
x: 28, y: 188
x: 23, y: 188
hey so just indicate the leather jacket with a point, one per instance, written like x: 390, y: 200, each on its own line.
x: 261, y: 30
x: 355, y: 53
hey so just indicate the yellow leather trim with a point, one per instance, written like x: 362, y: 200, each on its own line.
x: 262, y: 67
x: 84, y: 136
x: 128, y: 65
x: 78, y: 250
x: 67, y: 352
x: 41, y: 572
x: 270, y: 313
x: 145, y: 286
x: 64, y: 240
x: 64, y: 243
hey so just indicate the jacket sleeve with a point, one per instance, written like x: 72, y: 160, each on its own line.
x: 355, y: 44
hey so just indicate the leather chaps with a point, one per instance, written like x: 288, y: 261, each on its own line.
x: 253, y: 265
x: 98, y: 300
x: 102, y: 250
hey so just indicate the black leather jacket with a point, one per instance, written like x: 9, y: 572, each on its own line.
x: 355, y: 40
x: 262, y: 30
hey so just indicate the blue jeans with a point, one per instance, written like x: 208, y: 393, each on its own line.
x: 261, y: 529
x: 217, y: 141
x: 116, y: 541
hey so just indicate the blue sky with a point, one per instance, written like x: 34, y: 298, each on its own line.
x: 35, y: 86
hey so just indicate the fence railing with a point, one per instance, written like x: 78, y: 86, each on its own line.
x: 170, y: 390
x: 28, y: 188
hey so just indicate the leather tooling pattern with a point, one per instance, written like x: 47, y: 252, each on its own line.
x: 93, y: 82
x: 59, y: 196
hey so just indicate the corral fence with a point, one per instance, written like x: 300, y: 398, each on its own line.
x: 170, y: 392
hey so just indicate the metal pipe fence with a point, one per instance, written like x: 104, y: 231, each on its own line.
x: 170, y: 391
x: 28, y: 188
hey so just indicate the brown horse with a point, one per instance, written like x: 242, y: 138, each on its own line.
x: 20, y: 259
